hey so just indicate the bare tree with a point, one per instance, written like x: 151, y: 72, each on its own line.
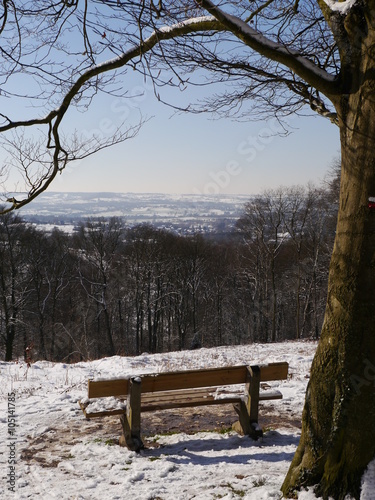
x: 14, y: 286
x: 263, y: 227
x: 56, y: 58
x: 318, y: 54
x: 299, y: 205
x: 100, y: 244
x: 282, y: 56
x: 317, y: 243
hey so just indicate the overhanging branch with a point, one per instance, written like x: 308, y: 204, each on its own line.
x: 60, y: 156
x: 292, y: 59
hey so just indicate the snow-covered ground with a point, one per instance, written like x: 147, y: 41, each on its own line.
x: 54, y: 452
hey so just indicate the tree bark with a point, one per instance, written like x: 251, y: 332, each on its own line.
x: 338, y: 428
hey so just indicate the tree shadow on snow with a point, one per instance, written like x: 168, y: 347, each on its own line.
x: 227, y: 449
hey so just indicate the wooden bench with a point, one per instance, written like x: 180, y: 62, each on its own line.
x: 129, y: 397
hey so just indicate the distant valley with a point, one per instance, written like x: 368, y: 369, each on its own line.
x: 180, y: 213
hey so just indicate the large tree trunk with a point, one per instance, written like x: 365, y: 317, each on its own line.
x: 338, y: 428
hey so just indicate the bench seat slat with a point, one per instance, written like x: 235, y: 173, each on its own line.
x: 193, y: 379
x: 105, y: 413
x: 160, y: 382
x: 186, y: 399
x: 182, y: 399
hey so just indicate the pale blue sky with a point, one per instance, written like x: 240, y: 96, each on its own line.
x: 185, y: 153
x: 196, y: 154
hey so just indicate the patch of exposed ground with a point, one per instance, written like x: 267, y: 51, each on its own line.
x: 54, y: 444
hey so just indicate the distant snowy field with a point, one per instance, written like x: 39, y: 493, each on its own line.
x: 57, y: 453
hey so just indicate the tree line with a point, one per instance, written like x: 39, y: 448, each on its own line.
x: 283, y: 57
x: 110, y: 289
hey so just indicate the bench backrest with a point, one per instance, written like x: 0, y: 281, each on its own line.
x: 189, y: 379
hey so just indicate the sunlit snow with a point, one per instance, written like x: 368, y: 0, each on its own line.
x: 342, y: 7
x: 60, y: 454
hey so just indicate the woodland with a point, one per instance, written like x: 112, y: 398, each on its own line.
x: 278, y: 58
x: 108, y: 288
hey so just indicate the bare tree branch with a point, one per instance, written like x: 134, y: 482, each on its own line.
x: 57, y: 154
x: 166, y: 41
x: 303, y: 67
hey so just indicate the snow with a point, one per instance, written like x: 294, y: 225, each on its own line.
x: 269, y: 45
x: 342, y: 7
x: 65, y: 228
x: 368, y: 482
x: 57, y: 453
x: 188, y: 22
x: 102, y: 404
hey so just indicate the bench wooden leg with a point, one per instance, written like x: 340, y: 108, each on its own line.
x: 131, y: 420
x: 247, y: 410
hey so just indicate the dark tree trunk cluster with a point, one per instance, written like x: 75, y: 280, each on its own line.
x: 107, y: 289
